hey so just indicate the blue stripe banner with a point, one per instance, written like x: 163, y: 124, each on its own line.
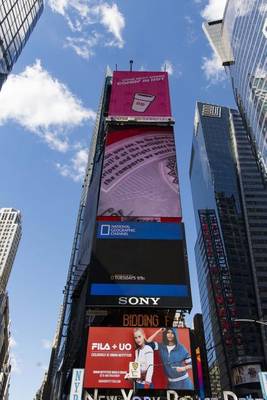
x: 140, y: 230
x: 115, y: 289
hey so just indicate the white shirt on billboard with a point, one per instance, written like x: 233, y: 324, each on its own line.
x: 145, y: 356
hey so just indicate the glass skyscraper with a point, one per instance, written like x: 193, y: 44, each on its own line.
x: 17, y: 20
x: 230, y: 204
x: 240, y: 39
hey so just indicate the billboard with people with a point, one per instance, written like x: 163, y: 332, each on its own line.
x: 163, y: 356
x: 140, y: 94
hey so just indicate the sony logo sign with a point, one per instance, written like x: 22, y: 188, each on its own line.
x: 134, y: 301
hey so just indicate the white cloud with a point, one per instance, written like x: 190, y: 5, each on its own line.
x: 168, y: 67
x: 263, y: 8
x: 58, y: 6
x: 15, y: 364
x: 46, y: 344
x: 42, y: 105
x: 83, y: 47
x: 62, y: 7
x: 75, y: 170
x: 213, y: 69
x: 12, y: 342
x: 214, y: 10
x: 191, y: 35
x: 261, y: 71
x: 81, y: 15
x: 113, y: 20
x: 54, y: 142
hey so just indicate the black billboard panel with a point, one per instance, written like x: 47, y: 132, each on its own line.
x: 89, y: 218
x: 139, y: 273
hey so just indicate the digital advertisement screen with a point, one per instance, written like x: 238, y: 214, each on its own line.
x: 140, y: 93
x: 163, y: 356
x: 139, y: 177
x: 246, y: 374
x: 201, y: 385
x: 140, y: 230
x: 145, y: 273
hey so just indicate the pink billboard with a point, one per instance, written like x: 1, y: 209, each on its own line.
x: 140, y: 94
x: 139, y: 177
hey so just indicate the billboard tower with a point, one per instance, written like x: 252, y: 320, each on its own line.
x: 139, y: 211
x: 129, y: 272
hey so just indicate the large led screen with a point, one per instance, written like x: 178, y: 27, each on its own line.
x: 140, y: 94
x: 139, y: 273
x: 139, y: 177
x: 139, y: 230
x: 164, y: 356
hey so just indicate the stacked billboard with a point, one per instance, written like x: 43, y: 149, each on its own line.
x: 139, y: 204
x: 139, y: 259
x: 139, y: 256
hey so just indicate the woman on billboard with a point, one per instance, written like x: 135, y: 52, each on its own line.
x: 144, y: 355
x: 175, y: 359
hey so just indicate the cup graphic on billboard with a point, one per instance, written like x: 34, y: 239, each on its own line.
x: 142, y: 101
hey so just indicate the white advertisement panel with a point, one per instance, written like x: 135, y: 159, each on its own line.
x: 76, y: 384
x: 246, y: 374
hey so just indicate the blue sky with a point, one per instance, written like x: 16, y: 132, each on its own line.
x: 47, y: 113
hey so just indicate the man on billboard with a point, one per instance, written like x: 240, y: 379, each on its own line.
x: 175, y: 359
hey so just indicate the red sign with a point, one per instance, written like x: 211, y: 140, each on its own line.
x: 139, y: 177
x: 140, y: 94
x: 220, y: 277
x: 164, y: 356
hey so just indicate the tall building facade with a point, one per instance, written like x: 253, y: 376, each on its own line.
x: 17, y: 20
x: 240, y: 40
x: 5, y: 362
x: 230, y: 204
x: 10, y: 235
x: 60, y: 360
x: 129, y: 225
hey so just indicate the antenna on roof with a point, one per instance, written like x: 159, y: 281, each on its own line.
x: 165, y: 67
x: 116, y: 67
x: 131, y: 65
